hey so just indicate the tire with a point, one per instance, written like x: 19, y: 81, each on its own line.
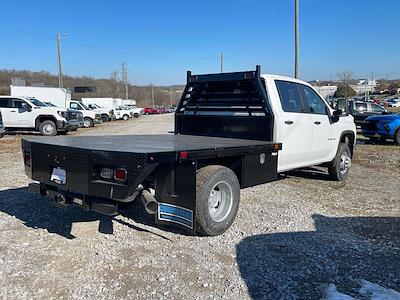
x: 125, y: 117
x: 397, y: 137
x: 340, y: 166
x: 87, y: 122
x: 136, y: 115
x: 48, y: 128
x: 104, y: 118
x: 220, y: 186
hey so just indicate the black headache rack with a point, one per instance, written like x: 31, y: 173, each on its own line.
x: 233, y: 105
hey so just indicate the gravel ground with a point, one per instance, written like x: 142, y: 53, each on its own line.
x: 291, y: 239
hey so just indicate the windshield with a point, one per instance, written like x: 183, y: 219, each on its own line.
x: 36, y: 102
x: 84, y: 106
x: 50, y: 104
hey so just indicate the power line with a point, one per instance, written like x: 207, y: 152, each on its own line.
x: 262, y: 32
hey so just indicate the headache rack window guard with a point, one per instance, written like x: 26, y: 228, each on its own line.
x: 225, y: 104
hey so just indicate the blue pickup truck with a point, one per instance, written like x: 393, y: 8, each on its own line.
x: 383, y: 127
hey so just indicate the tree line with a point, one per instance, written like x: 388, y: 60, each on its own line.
x: 105, y: 87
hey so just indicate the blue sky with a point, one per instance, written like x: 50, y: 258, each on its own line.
x: 160, y: 40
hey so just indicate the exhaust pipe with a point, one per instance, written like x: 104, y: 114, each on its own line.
x: 149, y: 202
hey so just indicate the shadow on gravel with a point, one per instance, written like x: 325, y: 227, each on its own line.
x: 342, y: 251
x: 39, y: 212
x: 309, y: 173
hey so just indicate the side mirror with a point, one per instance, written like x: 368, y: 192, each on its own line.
x: 26, y: 107
x: 342, y: 108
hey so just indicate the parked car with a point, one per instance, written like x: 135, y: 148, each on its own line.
x: 150, y: 111
x: 2, y: 129
x: 25, y: 113
x: 393, y: 102
x: 382, y: 128
x: 121, y: 113
x: 361, y: 110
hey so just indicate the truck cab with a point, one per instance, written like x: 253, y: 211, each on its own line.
x: 90, y: 117
x: 271, y: 108
x: 26, y: 113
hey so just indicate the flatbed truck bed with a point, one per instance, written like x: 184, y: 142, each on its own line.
x: 82, y: 170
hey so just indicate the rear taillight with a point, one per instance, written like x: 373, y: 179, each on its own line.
x: 120, y: 174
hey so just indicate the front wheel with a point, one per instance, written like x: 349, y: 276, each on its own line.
x: 87, y: 122
x: 397, y: 137
x: 340, y: 166
x: 48, y: 128
x: 136, y: 115
x: 217, y: 199
x: 125, y: 117
x: 104, y: 118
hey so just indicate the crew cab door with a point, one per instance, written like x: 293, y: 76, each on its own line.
x: 23, y: 113
x: 294, y: 128
x: 8, y: 113
x: 324, y: 140
x: 15, y: 113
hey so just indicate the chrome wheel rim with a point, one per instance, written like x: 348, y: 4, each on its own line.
x: 86, y: 123
x: 220, y: 201
x: 345, y: 162
x: 48, y: 129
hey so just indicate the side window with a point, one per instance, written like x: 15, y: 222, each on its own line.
x: 360, y: 107
x: 377, y: 108
x: 313, y: 102
x: 17, y: 103
x: 74, y: 105
x: 5, y: 103
x: 290, y: 96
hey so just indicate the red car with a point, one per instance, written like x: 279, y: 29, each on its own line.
x: 150, y: 111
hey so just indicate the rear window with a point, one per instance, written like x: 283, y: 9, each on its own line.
x: 290, y: 97
x: 361, y: 107
x: 5, y: 103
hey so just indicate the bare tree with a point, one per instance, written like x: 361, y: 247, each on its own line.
x: 346, y: 77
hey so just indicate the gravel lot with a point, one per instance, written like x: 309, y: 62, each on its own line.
x: 291, y: 239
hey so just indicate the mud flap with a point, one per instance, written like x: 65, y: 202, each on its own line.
x: 177, y: 197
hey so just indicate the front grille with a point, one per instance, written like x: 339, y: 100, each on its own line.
x: 370, y: 125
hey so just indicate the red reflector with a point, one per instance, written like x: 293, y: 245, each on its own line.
x: 120, y: 174
x: 184, y: 155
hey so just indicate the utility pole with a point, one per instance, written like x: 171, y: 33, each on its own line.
x: 60, y: 78
x: 125, y: 79
x: 152, y: 94
x: 221, y: 56
x: 296, y: 33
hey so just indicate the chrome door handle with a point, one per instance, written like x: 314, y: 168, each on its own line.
x: 289, y: 122
x: 317, y: 122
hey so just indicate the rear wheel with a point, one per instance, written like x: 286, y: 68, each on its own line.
x: 87, y: 122
x: 340, y: 166
x: 397, y: 137
x: 136, y: 115
x: 217, y: 199
x: 48, y: 128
